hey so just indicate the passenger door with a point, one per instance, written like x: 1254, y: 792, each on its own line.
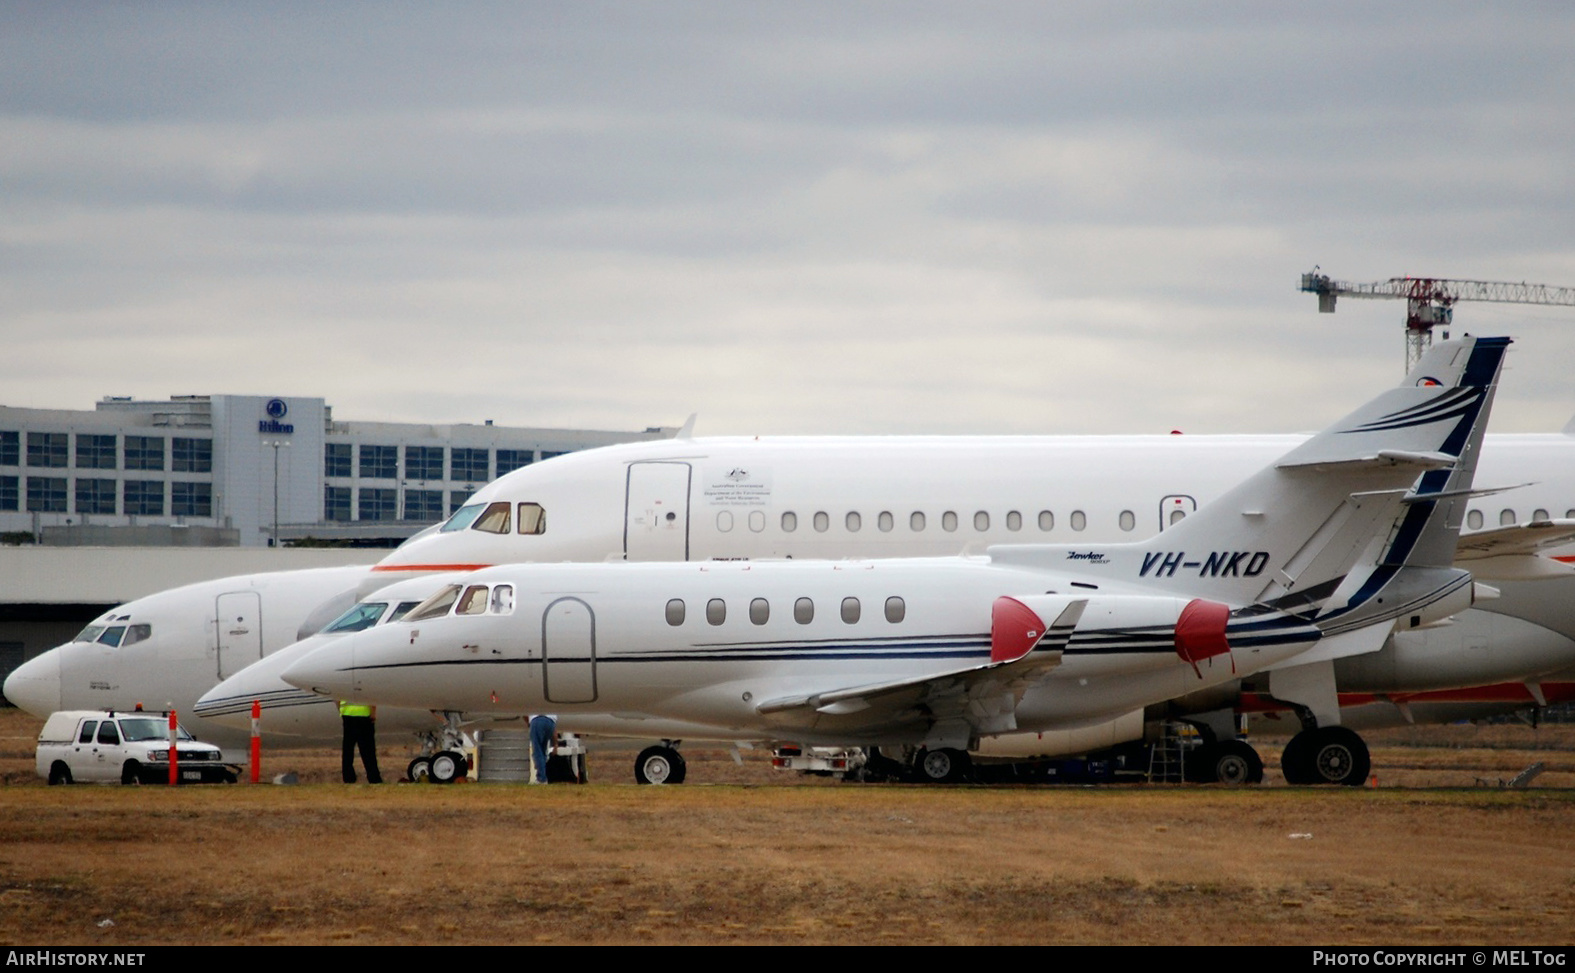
x: 237, y: 631
x: 656, y: 512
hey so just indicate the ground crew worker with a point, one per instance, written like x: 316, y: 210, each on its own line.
x: 543, y: 727
x: 360, y: 722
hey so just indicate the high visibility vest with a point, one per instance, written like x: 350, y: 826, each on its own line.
x: 354, y: 709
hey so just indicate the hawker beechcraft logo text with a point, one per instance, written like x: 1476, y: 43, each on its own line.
x: 1092, y: 557
x: 1217, y: 564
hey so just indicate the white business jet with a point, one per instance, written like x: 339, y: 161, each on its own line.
x: 1307, y: 561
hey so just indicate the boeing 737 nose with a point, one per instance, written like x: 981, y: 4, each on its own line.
x: 35, y: 685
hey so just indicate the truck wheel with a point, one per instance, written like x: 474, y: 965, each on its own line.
x: 659, y: 765
x: 59, y: 773
x: 131, y: 773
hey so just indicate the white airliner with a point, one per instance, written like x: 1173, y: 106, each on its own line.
x: 1324, y: 548
x: 731, y: 498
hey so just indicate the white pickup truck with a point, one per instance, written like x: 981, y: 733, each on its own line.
x: 133, y: 748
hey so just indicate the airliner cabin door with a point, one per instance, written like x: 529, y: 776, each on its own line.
x: 568, y: 652
x: 1174, y: 508
x: 238, y: 631
x: 656, y: 512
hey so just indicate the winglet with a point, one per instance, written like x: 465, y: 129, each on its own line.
x: 687, y: 430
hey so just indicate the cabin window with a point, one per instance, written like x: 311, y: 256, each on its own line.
x: 473, y: 601
x: 1177, y: 515
x: 916, y: 521
x: 436, y: 606
x: 853, y: 521
x: 724, y: 521
x: 503, y: 600
x: 1506, y: 517
x: 789, y: 522
x: 896, y: 611
x: 1570, y: 514
x: 1539, y: 514
x: 885, y: 521
x: 1128, y: 520
x: 850, y: 610
x: 757, y: 521
x: 88, y: 728
x: 107, y: 734
x: 759, y: 611
x: 1079, y: 520
x: 949, y: 520
x: 822, y: 521
x: 1474, y: 520
x: 981, y: 521
x: 495, y: 519
x: 716, y: 611
x: 1046, y: 520
x: 804, y: 611
x: 532, y: 518
x: 675, y: 611
x: 1014, y: 520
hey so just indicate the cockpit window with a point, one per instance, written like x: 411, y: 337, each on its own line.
x: 503, y: 599
x: 495, y: 519
x: 474, y: 601
x: 436, y: 606
x: 135, y: 634
x: 463, y: 517
x: 89, y: 634
x: 113, y: 635
x: 361, y: 616
x: 402, y: 609
x: 532, y: 519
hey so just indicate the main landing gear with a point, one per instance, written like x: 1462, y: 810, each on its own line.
x: 1326, y: 755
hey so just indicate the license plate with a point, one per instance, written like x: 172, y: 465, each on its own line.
x: 191, y: 775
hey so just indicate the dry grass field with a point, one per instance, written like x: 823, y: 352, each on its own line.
x: 744, y: 855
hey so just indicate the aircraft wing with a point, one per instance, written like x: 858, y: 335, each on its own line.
x: 955, y: 705
x: 1513, y: 553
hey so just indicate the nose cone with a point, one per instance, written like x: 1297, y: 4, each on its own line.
x: 327, y: 670
x: 35, y: 685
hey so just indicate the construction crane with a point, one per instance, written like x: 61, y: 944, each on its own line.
x: 1430, y: 301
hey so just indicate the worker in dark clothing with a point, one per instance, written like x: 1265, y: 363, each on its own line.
x: 360, y: 722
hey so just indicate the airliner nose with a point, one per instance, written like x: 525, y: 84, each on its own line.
x: 35, y: 685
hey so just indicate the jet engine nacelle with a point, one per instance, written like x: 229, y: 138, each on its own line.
x: 1126, y: 633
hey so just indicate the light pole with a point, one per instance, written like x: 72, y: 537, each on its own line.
x: 273, y: 541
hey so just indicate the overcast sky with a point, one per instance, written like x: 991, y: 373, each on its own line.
x: 788, y: 217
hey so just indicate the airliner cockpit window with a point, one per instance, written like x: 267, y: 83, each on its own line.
x: 135, y: 634
x: 435, y: 607
x: 463, y: 517
x: 495, y: 519
x: 92, y: 632
x: 361, y: 616
x: 474, y: 601
x: 112, y: 635
x: 532, y: 519
x: 402, y: 609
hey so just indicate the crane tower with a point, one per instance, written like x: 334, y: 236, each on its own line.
x: 1430, y: 301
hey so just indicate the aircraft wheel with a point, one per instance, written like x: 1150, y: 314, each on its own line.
x: 1337, y: 755
x: 420, y: 769
x: 131, y: 773
x: 59, y: 774
x: 447, y: 767
x: 942, y: 766
x: 1294, y: 762
x: 659, y: 765
x: 1236, y: 763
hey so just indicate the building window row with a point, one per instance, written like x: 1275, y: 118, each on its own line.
x: 95, y: 451
x: 89, y: 495
x: 850, y: 610
x: 464, y: 463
